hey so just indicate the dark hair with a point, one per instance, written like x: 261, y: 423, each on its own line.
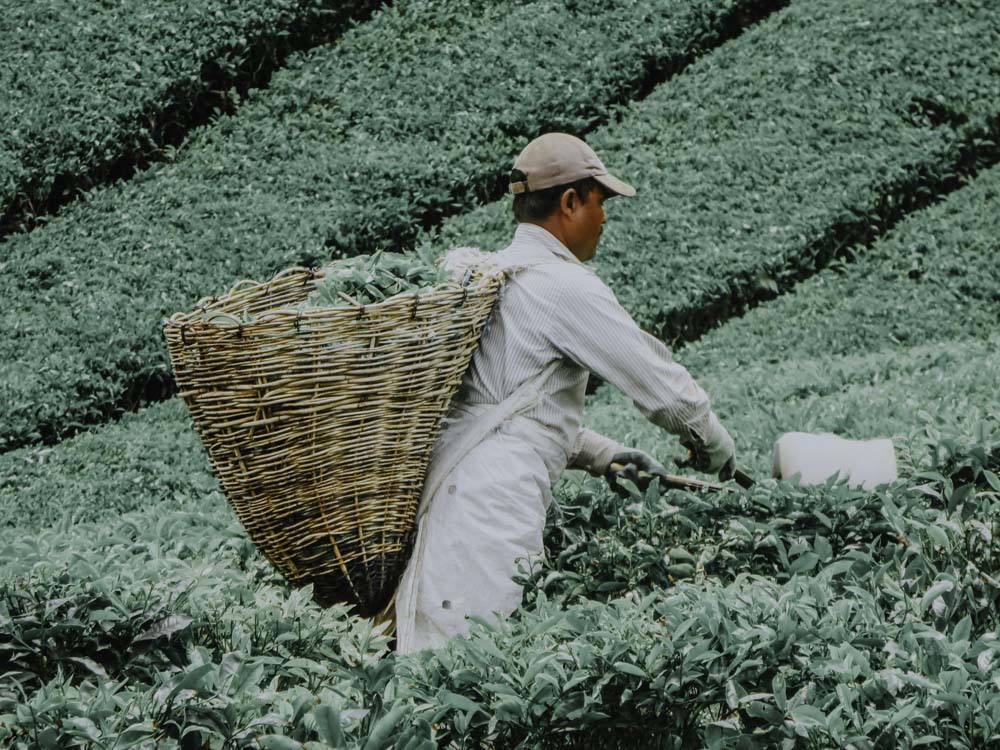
x: 541, y: 204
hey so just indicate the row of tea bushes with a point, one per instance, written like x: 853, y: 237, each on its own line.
x: 91, y: 90
x: 176, y: 629
x: 938, y: 517
x: 111, y: 628
x: 155, y: 459
x: 894, y: 340
x: 932, y: 278
x: 815, y: 359
x: 812, y: 132
x: 412, y: 115
x: 884, y: 644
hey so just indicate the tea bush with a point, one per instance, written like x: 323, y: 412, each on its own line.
x: 880, y: 636
x: 928, y: 280
x: 165, y: 624
x: 813, y: 132
x: 152, y: 459
x: 766, y: 373
x: 924, y: 525
x: 344, y: 153
x: 890, y: 341
x: 781, y: 616
x: 91, y: 89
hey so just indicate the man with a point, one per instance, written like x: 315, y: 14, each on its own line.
x: 515, y: 424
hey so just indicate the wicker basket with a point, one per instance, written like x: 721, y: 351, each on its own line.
x: 319, y: 424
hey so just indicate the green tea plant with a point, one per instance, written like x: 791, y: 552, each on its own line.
x: 374, y: 278
x: 342, y: 154
x: 890, y: 342
x: 751, y: 664
x: 83, y: 104
x: 931, y: 525
x: 810, y: 616
x: 814, y: 131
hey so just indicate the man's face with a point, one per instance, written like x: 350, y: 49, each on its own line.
x: 585, y: 225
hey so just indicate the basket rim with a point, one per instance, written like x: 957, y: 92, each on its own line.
x: 478, y: 280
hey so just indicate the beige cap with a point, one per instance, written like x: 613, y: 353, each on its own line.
x: 559, y: 158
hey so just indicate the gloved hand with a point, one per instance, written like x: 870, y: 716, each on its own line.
x: 719, y: 457
x: 634, y: 461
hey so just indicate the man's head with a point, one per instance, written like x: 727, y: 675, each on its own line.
x: 559, y: 183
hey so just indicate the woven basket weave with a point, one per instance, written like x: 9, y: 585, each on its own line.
x: 319, y: 424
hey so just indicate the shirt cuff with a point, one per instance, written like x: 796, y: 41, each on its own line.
x: 593, y: 452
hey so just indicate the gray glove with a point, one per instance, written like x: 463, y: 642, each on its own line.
x: 721, y: 457
x: 634, y: 461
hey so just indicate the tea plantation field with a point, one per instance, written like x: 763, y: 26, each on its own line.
x: 815, y: 235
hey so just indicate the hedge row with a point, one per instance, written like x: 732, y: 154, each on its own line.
x: 601, y: 547
x: 170, y: 626
x: 91, y: 91
x: 903, y: 396
x: 861, y: 348
x: 411, y: 116
x: 152, y: 598
x: 813, y: 132
x: 153, y: 459
x: 815, y: 359
x: 933, y: 278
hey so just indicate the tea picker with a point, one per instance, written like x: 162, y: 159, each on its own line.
x: 515, y: 424
x: 398, y: 452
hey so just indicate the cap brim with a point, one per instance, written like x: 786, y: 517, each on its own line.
x: 615, y: 185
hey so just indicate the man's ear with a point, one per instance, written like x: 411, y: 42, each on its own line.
x: 569, y: 200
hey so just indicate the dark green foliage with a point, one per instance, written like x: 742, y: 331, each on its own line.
x: 149, y: 460
x: 805, y: 136
x: 778, y: 617
x: 750, y: 368
x: 748, y: 665
x: 933, y: 278
x: 412, y: 115
x: 166, y: 624
x: 373, y: 278
x: 894, y: 342
x: 922, y: 527
x: 879, y: 633
x: 92, y: 89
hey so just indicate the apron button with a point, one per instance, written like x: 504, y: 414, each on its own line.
x: 451, y: 489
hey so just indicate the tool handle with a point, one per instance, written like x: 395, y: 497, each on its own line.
x: 673, y: 480
x: 743, y: 479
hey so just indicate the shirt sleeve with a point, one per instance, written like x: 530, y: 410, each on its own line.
x: 590, y: 327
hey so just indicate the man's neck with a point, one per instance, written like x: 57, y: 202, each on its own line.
x: 554, y: 227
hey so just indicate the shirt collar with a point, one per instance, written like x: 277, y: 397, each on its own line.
x: 537, y: 235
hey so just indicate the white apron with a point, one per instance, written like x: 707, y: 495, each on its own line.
x: 489, y: 484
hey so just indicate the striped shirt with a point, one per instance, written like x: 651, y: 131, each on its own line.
x: 558, y: 309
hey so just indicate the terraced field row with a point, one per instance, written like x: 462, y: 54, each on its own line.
x: 352, y: 146
x: 773, y: 370
x: 813, y: 132
x: 777, y: 617
x: 94, y: 90
x: 900, y: 341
